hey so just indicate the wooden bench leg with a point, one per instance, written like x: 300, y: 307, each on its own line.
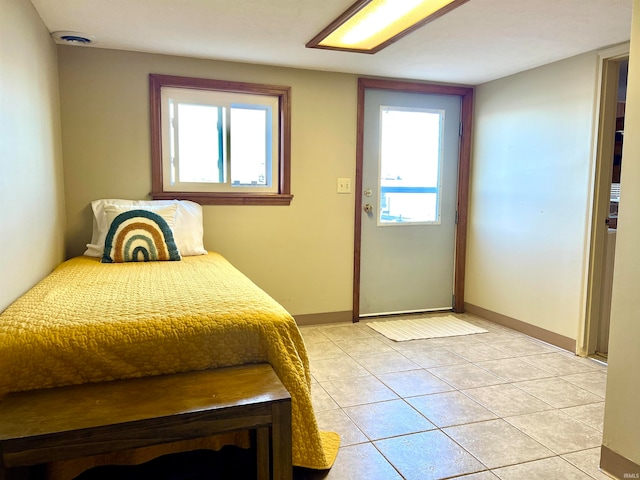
x: 281, y: 441
x: 262, y: 447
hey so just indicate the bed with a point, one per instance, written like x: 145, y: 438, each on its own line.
x: 92, y: 321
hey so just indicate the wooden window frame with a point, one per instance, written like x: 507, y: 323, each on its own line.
x: 283, y: 93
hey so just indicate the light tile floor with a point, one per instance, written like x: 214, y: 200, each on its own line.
x: 477, y: 407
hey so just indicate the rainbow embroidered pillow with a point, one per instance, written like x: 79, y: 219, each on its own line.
x: 140, y: 235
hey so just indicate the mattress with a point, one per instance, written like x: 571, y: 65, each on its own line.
x: 91, y: 322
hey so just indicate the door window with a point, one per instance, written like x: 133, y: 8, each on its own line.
x: 410, y: 165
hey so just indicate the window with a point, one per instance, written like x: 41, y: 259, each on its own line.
x: 410, y: 165
x: 220, y: 143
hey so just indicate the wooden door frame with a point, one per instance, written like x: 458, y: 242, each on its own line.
x: 602, y: 153
x: 464, y: 164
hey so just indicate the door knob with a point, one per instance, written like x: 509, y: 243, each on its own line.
x: 368, y: 208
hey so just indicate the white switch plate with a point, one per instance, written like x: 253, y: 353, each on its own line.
x: 344, y: 185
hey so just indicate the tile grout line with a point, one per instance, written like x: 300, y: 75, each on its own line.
x: 462, y: 390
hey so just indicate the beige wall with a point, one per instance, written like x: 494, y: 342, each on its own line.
x: 31, y: 189
x: 530, y: 194
x: 302, y: 254
x: 622, y: 411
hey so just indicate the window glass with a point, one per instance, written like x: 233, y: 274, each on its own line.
x: 199, y: 156
x: 410, y: 160
x: 251, y: 146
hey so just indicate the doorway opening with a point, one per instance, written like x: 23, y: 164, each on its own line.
x: 606, y: 200
x: 388, y: 215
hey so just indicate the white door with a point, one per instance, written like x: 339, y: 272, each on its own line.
x: 409, y: 187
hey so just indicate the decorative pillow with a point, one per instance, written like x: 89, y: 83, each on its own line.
x: 140, y: 235
x: 187, y: 231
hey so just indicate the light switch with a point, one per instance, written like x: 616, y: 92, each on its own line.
x: 344, y: 185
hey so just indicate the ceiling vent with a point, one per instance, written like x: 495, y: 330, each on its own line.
x: 73, y: 38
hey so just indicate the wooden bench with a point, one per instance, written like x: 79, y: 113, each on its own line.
x: 61, y: 423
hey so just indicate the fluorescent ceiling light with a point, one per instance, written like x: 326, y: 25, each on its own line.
x: 370, y: 25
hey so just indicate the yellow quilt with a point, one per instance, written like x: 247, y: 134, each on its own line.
x: 90, y: 322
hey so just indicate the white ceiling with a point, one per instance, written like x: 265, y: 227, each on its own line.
x: 479, y: 41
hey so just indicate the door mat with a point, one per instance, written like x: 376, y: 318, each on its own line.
x: 426, y: 327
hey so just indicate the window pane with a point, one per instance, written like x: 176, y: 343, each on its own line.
x: 250, y: 151
x: 408, y: 207
x: 409, y: 165
x: 199, y: 143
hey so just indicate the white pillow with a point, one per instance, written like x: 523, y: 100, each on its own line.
x: 168, y: 212
x: 188, y: 231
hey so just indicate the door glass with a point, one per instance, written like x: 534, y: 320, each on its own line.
x: 410, y: 165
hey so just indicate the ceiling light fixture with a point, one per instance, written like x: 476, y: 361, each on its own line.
x: 73, y: 38
x: 368, y: 26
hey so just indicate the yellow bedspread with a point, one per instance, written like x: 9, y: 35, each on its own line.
x: 90, y: 322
